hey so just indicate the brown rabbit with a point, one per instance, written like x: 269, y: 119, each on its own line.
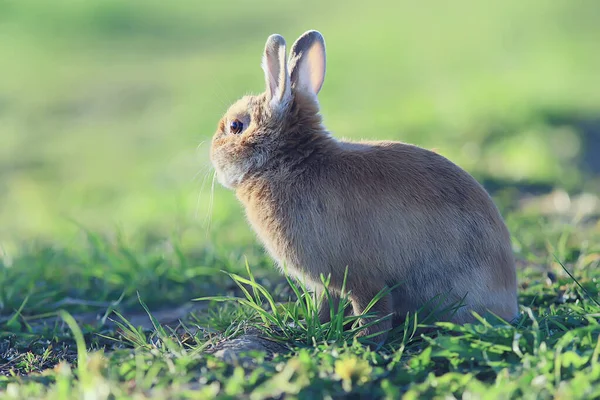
x: 389, y: 212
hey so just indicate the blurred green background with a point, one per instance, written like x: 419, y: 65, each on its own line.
x: 107, y: 107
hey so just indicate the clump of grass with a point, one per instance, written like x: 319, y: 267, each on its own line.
x: 297, y: 321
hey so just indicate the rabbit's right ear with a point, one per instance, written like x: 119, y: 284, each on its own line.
x: 307, y: 62
x: 277, y: 77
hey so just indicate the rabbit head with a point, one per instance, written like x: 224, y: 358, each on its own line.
x: 257, y: 131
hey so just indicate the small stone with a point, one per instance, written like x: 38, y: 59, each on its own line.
x: 236, y: 349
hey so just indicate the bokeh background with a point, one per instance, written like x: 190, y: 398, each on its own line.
x: 107, y: 107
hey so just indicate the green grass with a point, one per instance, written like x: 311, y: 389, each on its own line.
x: 107, y: 215
x: 553, y: 350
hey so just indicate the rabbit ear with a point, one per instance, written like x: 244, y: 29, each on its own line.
x: 307, y: 62
x: 276, y: 73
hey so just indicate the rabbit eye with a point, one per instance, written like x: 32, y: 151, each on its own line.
x: 236, y: 126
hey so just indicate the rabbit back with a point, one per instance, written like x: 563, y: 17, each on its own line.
x: 392, y: 213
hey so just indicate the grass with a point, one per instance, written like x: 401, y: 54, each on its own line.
x: 552, y: 351
x: 110, y: 228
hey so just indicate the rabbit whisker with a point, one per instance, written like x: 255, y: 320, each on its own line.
x: 207, y: 172
x: 211, y: 202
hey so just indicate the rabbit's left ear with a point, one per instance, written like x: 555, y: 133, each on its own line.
x: 276, y: 73
x: 307, y: 62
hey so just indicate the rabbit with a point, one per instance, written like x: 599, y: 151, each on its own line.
x: 398, y: 218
